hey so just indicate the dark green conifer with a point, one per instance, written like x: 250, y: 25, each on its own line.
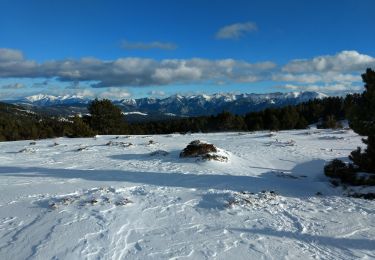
x: 106, y: 118
x: 362, y: 121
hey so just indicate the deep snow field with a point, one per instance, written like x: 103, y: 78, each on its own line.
x: 83, y: 199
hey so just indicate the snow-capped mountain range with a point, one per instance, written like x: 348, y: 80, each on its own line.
x: 191, y: 105
x: 49, y: 100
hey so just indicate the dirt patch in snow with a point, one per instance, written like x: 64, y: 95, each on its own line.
x: 253, y: 200
x: 123, y: 144
x: 96, y: 196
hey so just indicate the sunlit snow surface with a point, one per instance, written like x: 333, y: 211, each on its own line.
x: 83, y: 199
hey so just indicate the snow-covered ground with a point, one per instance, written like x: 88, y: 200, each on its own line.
x: 84, y: 199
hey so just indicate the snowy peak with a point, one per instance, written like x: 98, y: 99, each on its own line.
x: 39, y: 97
x: 203, y: 104
x: 179, y: 105
x: 49, y: 100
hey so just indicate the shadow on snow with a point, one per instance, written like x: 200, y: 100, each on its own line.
x: 301, y: 187
x: 342, y: 243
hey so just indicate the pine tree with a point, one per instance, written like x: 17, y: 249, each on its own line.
x: 80, y: 128
x: 106, y: 118
x: 289, y: 118
x: 302, y: 123
x: 362, y: 121
x: 330, y: 122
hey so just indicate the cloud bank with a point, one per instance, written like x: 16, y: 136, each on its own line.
x: 132, y: 71
x: 13, y: 86
x: 333, y: 74
x: 330, y: 72
x: 345, y: 61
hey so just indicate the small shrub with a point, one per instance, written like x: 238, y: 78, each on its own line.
x: 196, y: 148
x: 205, y: 151
x: 330, y: 122
x: 214, y: 157
x: 347, y: 174
x: 83, y: 148
x: 364, y: 159
x: 123, y: 144
x: 335, y: 183
x: 159, y: 153
x: 366, y: 196
x: 335, y: 168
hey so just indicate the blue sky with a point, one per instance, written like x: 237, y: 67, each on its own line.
x: 141, y: 48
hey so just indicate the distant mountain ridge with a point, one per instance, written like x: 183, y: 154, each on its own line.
x: 196, y: 105
x: 49, y: 100
x: 178, y: 105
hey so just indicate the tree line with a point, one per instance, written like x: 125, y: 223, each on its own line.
x: 106, y: 118
x: 327, y: 112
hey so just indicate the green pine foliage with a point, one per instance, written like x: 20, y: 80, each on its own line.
x: 330, y: 122
x: 79, y: 128
x: 362, y: 121
x: 285, y: 118
x: 18, y: 124
x: 361, y: 114
x: 106, y: 118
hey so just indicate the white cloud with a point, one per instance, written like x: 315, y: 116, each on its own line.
x: 327, y: 88
x: 332, y: 73
x: 344, y: 61
x: 177, y: 71
x: 136, y: 71
x: 236, y: 30
x: 156, y: 93
x: 325, y: 77
x: 114, y: 93
x: 148, y: 45
x: 84, y: 93
x: 13, y: 86
x: 40, y: 84
x: 10, y: 55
